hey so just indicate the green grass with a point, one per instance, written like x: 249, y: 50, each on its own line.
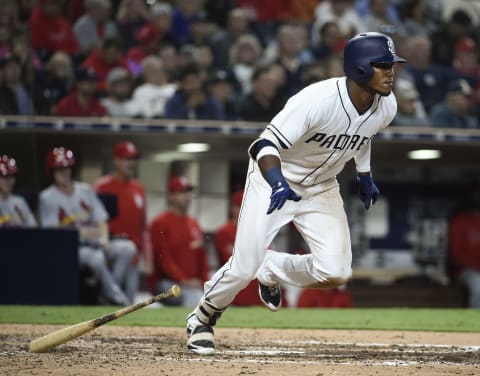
x: 454, y: 320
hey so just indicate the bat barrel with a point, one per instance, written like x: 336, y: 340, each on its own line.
x: 58, y: 337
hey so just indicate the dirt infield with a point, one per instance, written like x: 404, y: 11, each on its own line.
x: 160, y: 351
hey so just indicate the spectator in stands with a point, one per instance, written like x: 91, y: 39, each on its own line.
x: 237, y: 25
x: 191, y: 100
x: 200, y: 29
x: 161, y: 18
x: 185, y: 11
x: 15, y: 97
x: 456, y: 110
x: 224, y: 240
x: 379, y: 19
x: 464, y: 244
x: 54, y: 82
x: 179, y: 251
x: 410, y: 110
x: 151, y: 97
x: 129, y: 205
x: 70, y: 204
x: 331, y: 42
x: 132, y: 15
x: 445, y: 38
x: 148, y: 43
x: 342, y: 13
x: 204, y: 60
x: 50, y: 31
x: 245, y: 54
x: 5, y: 35
x: 431, y: 80
x: 312, y: 72
x: 95, y: 25
x: 102, y: 60
x: 14, y: 210
x: 465, y: 59
x: 10, y: 14
x: 262, y: 103
x: 221, y: 89
x: 334, y: 67
x: 187, y: 55
x: 30, y: 63
x: 466, y: 63
x: 81, y: 101
x: 417, y: 18
x: 118, y: 102
x: 169, y: 57
x: 289, y: 52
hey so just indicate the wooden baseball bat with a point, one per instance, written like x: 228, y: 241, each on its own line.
x: 58, y: 337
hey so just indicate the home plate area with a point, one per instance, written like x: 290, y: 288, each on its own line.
x: 123, y: 350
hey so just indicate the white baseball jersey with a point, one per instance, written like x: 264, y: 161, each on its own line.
x: 81, y: 208
x: 319, y: 130
x: 14, y: 211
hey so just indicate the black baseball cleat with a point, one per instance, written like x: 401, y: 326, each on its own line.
x: 271, y: 296
x: 201, y: 339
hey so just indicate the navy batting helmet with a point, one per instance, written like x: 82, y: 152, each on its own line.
x: 363, y: 50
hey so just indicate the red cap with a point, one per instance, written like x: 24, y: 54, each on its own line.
x: 179, y: 184
x: 465, y: 44
x: 125, y: 149
x: 148, y: 33
x: 8, y: 166
x: 237, y: 198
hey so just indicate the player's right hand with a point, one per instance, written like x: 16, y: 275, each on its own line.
x: 281, y: 192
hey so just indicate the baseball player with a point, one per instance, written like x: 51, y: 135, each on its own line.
x: 68, y: 203
x: 292, y: 177
x: 14, y: 210
x: 178, y: 242
x: 130, y: 221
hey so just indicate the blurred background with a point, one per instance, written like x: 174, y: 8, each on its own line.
x: 191, y: 83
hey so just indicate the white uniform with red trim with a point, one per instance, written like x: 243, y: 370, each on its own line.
x: 14, y: 211
x: 80, y: 209
x: 317, y: 132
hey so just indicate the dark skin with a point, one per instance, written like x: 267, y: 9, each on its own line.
x: 361, y: 95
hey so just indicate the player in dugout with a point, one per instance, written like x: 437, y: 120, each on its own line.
x: 129, y: 203
x: 14, y: 210
x: 292, y: 177
x: 68, y: 203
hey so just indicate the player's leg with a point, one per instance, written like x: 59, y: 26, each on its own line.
x: 255, y: 231
x: 322, y: 222
x: 96, y: 261
x: 471, y: 279
x: 121, y: 254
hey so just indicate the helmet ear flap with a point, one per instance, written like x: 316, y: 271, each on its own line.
x: 360, y: 70
x: 362, y: 74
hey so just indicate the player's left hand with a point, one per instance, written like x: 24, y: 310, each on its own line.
x: 281, y: 192
x: 367, y: 191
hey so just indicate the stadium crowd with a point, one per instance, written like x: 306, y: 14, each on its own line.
x: 233, y: 59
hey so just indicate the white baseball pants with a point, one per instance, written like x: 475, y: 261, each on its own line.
x: 319, y: 217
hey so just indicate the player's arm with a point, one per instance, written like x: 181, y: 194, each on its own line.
x: 266, y: 153
x: 368, y: 190
x: 47, y: 212
x: 103, y: 233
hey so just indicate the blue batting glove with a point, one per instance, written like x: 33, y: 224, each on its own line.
x: 367, y: 191
x: 281, y: 191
